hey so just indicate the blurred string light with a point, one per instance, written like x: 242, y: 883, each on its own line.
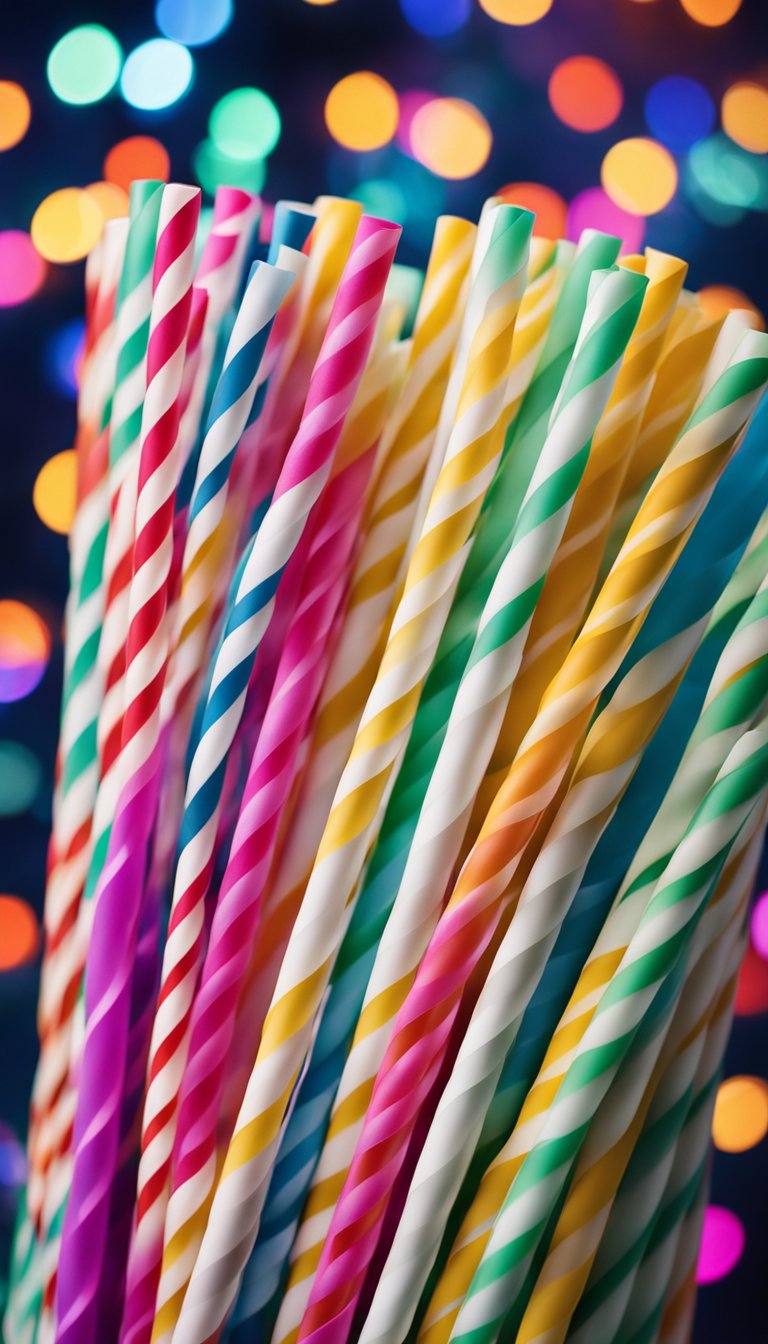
x: 156, y: 74
x: 516, y: 12
x: 759, y: 925
x: 245, y: 124
x: 319, y: 3
x: 740, y: 1119
x: 20, y: 778
x: 547, y: 205
x: 679, y: 111
x: 22, y: 269
x: 193, y: 22
x: 410, y: 102
x: 25, y: 647
x: 62, y: 354
x: 19, y: 933
x: 722, y: 1243
x: 213, y: 169
x: 137, y: 156
x: 585, y: 93
x: 111, y: 200
x: 594, y: 209
x: 728, y: 174
x: 717, y: 300
x: 711, y: 13
x: 451, y: 137
x: 436, y: 18
x: 66, y: 225
x: 84, y: 66
x: 54, y: 493
x: 744, y: 112
x: 639, y: 175
x: 382, y: 197
x: 361, y: 111
x: 15, y: 114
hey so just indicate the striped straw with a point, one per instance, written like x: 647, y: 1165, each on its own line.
x: 119, y: 894
x: 611, y: 313
x: 662, y: 937
x: 265, y: 798
x: 430, y: 583
x: 351, y: 675
x: 572, y: 576
x: 307, y: 465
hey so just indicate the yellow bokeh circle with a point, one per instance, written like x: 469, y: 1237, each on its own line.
x: 111, y: 199
x: 639, y: 175
x: 741, y: 1114
x: 451, y: 137
x: 54, y: 494
x: 516, y: 12
x: 66, y: 225
x: 745, y: 116
x: 15, y: 114
x: 362, y: 111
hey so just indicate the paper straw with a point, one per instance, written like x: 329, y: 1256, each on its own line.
x: 378, y: 745
x: 676, y: 497
x: 271, y: 777
x: 119, y: 894
x: 354, y: 663
x: 303, y: 476
x: 572, y: 576
x: 664, y: 932
x: 479, y: 706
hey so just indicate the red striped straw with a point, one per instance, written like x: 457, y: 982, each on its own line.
x: 119, y: 895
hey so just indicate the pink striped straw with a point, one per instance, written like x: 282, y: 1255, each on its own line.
x: 111, y: 952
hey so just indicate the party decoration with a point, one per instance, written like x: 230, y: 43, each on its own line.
x: 413, y: 762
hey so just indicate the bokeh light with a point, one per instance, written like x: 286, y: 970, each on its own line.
x: 594, y: 209
x: 722, y: 1242
x: 137, y: 156
x: 20, y: 778
x: 547, y: 205
x: 728, y: 174
x: 193, y: 22
x: 214, y: 169
x: 156, y: 74
x: 410, y: 103
x: 744, y: 112
x: 759, y: 925
x: 13, y: 1160
x: 741, y: 1114
x: 451, y: 137
x: 585, y: 93
x: 111, y: 200
x: 19, y: 933
x: 245, y: 124
x: 436, y: 18
x: 639, y: 175
x: 66, y: 225
x: 717, y: 300
x: 679, y: 111
x: 84, y: 66
x: 62, y: 354
x: 22, y: 269
x: 752, y: 987
x: 711, y: 13
x: 15, y: 114
x: 25, y: 646
x: 382, y: 197
x: 361, y: 111
x: 517, y: 12
x: 54, y: 494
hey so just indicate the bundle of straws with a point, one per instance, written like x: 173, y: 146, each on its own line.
x: 412, y: 780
